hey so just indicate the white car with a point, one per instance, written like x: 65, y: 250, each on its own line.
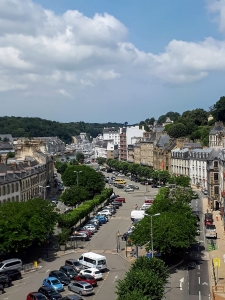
x: 106, y: 212
x: 93, y: 272
x: 90, y: 228
x: 128, y: 189
x: 145, y: 206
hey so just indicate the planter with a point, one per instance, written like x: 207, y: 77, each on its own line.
x: 62, y: 247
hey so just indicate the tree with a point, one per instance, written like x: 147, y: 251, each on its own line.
x: 162, y: 119
x: 80, y: 157
x: 10, y: 154
x: 169, y: 236
x: 61, y: 167
x: 101, y: 160
x: 146, y: 279
x: 177, y: 130
x: 23, y: 224
x: 88, y: 178
x: 218, y: 111
x: 181, y: 180
x: 74, y: 195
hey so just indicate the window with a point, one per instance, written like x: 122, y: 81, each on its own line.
x: 215, y: 164
x: 0, y: 190
x: 8, y: 189
x: 17, y: 187
x: 12, y: 187
x: 216, y: 176
x: 216, y: 190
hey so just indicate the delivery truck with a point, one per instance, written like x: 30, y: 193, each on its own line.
x: 137, y: 215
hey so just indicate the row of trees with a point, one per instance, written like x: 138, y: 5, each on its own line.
x: 170, y: 238
x: 23, y: 224
x: 145, y: 172
x: 145, y: 279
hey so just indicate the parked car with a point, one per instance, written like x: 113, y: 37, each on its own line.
x: 125, y: 236
x: 72, y: 297
x: 90, y: 227
x: 49, y: 293
x: 120, y: 186
x: 74, y: 264
x: 105, y: 212
x: 154, y: 185
x: 2, y: 289
x: 36, y: 296
x: 113, y: 196
x: 13, y: 274
x: 79, y: 236
x: 61, y: 187
x: 128, y: 189
x: 82, y: 230
x: 145, y: 206
x: 93, y: 272
x: 208, y: 219
x: 144, y: 182
x: 135, y: 187
x: 94, y: 222
x: 102, y: 219
x: 54, y: 283
x: 5, y: 280
x: 111, y: 208
x: 61, y: 276
x: 120, y: 199
x: 69, y: 271
x: 117, y: 204
x: 82, y: 288
x: 87, y: 278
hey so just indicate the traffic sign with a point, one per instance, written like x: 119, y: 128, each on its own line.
x: 216, y: 262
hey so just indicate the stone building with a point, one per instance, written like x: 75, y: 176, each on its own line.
x: 216, y: 135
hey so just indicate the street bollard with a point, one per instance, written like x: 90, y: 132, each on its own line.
x: 35, y: 264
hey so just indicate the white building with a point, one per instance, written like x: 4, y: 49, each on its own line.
x: 198, y: 166
x: 180, y: 161
x: 112, y: 133
x: 132, y: 133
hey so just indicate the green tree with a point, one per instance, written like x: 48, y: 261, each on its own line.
x: 80, y: 157
x: 61, y: 167
x: 74, y: 195
x: 146, y: 279
x: 177, y: 130
x: 26, y: 223
x: 88, y: 178
x: 161, y: 119
x: 218, y: 111
x: 10, y: 154
x: 101, y: 160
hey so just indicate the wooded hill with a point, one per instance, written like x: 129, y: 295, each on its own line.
x: 37, y: 127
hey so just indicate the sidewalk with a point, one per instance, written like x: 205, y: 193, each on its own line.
x: 217, y: 274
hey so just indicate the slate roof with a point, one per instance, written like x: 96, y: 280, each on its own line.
x: 163, y: 141
x: 8, y: 136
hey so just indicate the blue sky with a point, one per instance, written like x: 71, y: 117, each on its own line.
x: 116, y: 61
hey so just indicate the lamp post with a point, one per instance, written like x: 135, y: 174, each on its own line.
x: 158, y: 214
x: 77, y: 176
x: 44, y: 188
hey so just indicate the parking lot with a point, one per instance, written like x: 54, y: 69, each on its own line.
x: 103, y: 242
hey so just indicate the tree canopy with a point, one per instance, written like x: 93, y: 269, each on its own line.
x: 177, y: 130
x: 25, y: 223
x: 145, y: 279
x: 74, y: 195
x: 218, y: 110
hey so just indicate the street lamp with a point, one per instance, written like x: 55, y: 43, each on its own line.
x: 77, y: 176
x: 44, y: 188
x: 158, y: 214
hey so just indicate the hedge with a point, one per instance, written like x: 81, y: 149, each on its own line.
x: 72, y: 218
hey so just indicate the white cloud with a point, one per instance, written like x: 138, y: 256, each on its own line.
x: 218, y: 7
x: 48, y: 54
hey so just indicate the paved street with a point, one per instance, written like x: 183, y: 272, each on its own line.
x: 104, y: 241
x: 190, y: 280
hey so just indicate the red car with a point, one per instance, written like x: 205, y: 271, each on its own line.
x: 120, y: 199
x: 36, y: 296
x: 88, y: 278
x: 85, y: 231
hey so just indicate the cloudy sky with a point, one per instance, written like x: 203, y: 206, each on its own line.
x: 110, y: 61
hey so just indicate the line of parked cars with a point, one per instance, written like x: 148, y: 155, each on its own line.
x: 73, y: 274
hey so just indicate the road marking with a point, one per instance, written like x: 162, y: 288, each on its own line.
x: 47, y: 271
x: 199, y: 280
x: 181, y: 281
x: 205, y: 283
x: 115, y: 278
x: 199, y: 267
x: 199, y: 295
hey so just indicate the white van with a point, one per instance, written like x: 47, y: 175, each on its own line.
x: 93, y: 260
x: 137, y: 214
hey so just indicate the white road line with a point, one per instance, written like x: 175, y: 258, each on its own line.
x: 199, y: 295
x: 199, y: 280
x: 199, y: 267
x: 47, y: 271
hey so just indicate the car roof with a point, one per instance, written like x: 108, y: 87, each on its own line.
x: 92, y: 269
x: 47, y: 288
x: 82, y: 282
x: 50, y: 278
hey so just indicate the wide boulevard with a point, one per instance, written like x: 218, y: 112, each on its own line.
x: 103, y: 242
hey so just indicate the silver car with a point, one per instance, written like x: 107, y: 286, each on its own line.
x: 81, y: 287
